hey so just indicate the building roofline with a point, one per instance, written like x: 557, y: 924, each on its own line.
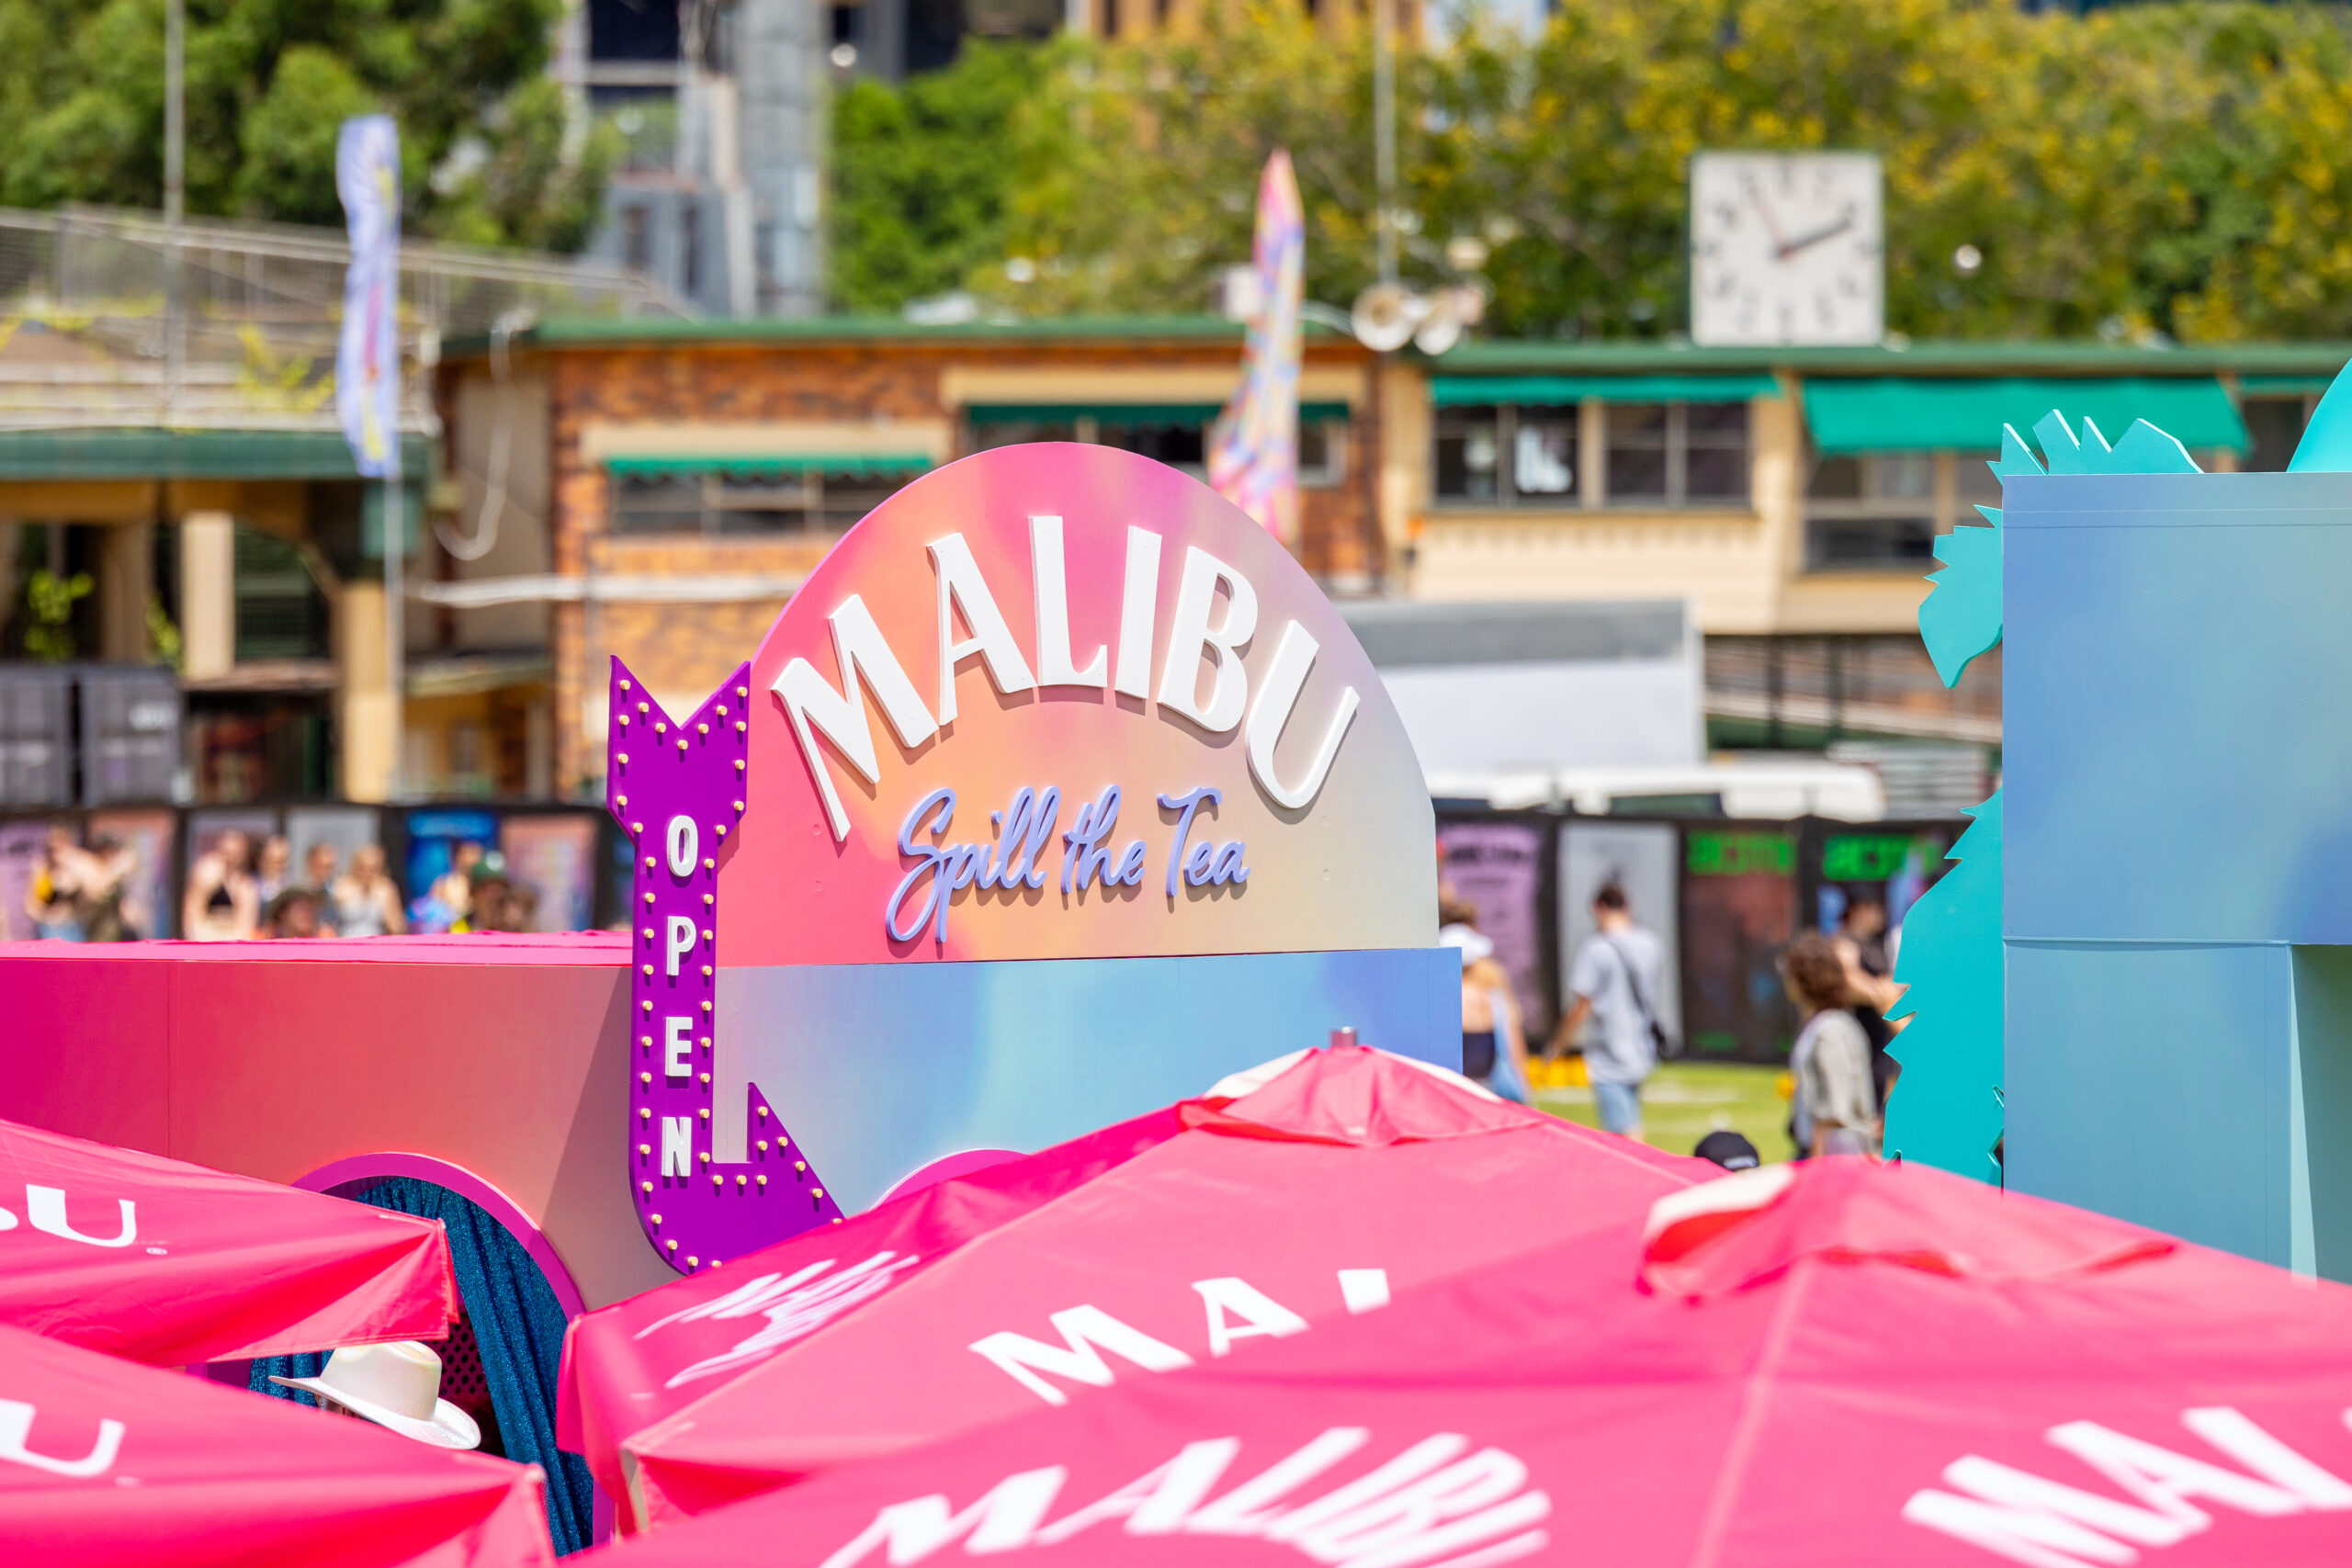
x: 1485, y: 356
x: 565, y: 332
x: 2043, y: 358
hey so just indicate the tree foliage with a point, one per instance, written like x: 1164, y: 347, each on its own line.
x: 2182, y: 169
x: 486, y: 153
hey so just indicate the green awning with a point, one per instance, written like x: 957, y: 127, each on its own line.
x: 1921, y: 413
x: 1469, y: 391
x: 1126, y: 413
x: 147, y: 453
x: 863, y: 463
x: 2283, y: 386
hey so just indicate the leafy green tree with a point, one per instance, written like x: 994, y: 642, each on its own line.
x: 2173, y: 168
x: 487, y: 153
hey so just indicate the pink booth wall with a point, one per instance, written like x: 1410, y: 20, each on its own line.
x: 496, y: 1060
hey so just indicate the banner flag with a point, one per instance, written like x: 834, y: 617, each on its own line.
x: 1253, y: 452
x: 368, y: 360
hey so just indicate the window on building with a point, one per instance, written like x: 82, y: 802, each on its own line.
x: 746, y: 504
x: 1871, y: 510
x: 1179, y: 442
x: 2277, y: 426
x: 637, y: 238
x: 281, y: 611
x: 1653, y: 455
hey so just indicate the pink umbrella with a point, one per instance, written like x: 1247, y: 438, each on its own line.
x: 1835, y: 1367
x: 173, y: 1264
x: 1352, y: 1175
x: 104, y: 1463
x: 635, y: 1362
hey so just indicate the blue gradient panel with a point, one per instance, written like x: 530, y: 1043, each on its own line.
x: 2179, y: 762
x: 2178, y: 890
x: 880, y: 1068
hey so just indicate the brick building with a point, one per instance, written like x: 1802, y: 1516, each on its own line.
x: 655, y: 489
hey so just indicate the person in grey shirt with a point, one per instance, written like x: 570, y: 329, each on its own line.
x: 1614, y: 979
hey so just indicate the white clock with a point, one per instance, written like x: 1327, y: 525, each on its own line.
x: 1786, y: 248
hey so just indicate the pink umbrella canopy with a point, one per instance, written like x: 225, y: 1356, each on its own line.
x: 171, y: 1264
x: 635, y: 1362
x: 1349, y: 1175
x: 1832, y: 1367
x: 105, y: 1463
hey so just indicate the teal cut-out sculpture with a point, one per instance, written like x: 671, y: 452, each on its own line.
x: 2326, y: 445
x: 1946, y: 1111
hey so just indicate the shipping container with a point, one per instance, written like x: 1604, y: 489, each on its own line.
x: 36, y: 735
x: 130, y: 733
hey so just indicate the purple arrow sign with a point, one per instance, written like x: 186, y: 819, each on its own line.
x: 676, y: 788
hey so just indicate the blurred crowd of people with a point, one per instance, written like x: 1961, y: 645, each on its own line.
x: 237, y: 893
x: 80, y: 894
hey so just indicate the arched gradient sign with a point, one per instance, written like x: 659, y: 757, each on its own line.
x: 1056, y: 792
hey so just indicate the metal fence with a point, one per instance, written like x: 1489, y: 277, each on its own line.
x: 106, y: 319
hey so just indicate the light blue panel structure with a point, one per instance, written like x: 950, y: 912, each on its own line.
x: 888, y: 1066
x: 2176, y: 767
x: 2177, y: 887
x: 2152, y: 1082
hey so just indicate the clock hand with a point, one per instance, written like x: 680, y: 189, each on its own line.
x: 1787, y: 248
x: 1771, y: 224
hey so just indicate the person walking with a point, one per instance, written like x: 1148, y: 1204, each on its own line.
x: 1615, y: 979
x: 1861, y: 941
x: 1836, y: 1105
x: 1493, y: 1047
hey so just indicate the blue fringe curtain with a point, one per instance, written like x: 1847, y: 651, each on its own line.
x: 520, y: 1329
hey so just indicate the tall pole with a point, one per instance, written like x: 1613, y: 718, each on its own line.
x: 1383, y: 132
x: 395, y: 611
x: 174, y: 199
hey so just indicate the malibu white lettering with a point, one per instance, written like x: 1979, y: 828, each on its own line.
x: 45, y: 1206
x: 1092, y: 855
x: 2043, y: 1523
x: 1234, y: 1309
x: 1213, y: 621
x: 1434, y: 1500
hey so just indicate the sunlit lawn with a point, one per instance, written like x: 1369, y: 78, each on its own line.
x: 1683, y: 1102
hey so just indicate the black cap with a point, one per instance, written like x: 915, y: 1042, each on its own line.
x: 1728, y: 1149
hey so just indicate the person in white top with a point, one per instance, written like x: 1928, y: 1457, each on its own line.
x: 1836, y: 1104
x: 1614, y: 978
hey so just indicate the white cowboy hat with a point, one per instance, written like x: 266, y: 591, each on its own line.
x: 397, y: 1386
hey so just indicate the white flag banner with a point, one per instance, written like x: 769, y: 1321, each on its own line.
x: 368, y: 360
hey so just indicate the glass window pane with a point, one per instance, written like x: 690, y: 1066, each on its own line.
x: 1715, y: 473
x: 1178, y: 445
x: 1468, y: 458
x: 664, y: 503
x: 1908, y: 476
x: 1716, y: 424
x: 1544, y: 453
x: 1643, y: 423
x: 1011, y: 432
x: 1973, y: 480
x: 1636, y: 452
x: 1870, y: 544
x: 2277, y: 426
x: 845, y: 498
x: 1836, y: 478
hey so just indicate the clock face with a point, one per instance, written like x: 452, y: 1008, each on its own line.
x: 1785, y: 248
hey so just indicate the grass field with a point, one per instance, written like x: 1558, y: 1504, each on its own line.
x: 1683, y: 1102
